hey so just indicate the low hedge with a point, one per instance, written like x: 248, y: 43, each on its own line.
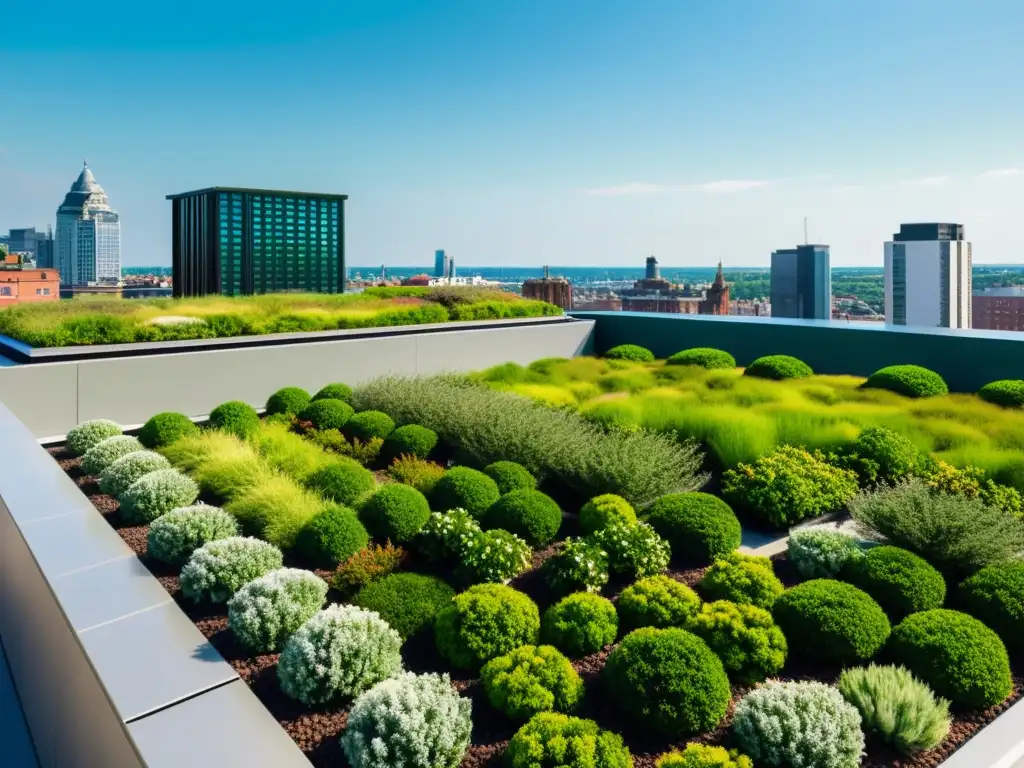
x: 900, y: 581
x: 165, y: 428
x: 408, y: 602
x: 995, y: 594
x: 1008, y: 393
x: 632, y: 352
x: 465, y: 488
x: 287, y: 401
x: 778, y: 367
x: 883, y: 455
x: 236, y: 418
x: 327, y: 413
x: 703, y: 357
x: 908, y: 380
x: 530, y: 514
x: 395, y: 512
x: 698, y: 526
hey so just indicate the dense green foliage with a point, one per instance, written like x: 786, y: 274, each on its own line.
x: 530, y: 514
x: 657, y: 601
x: 602, y: 510
x: 409, y: 440
x: 703, y: 756
x: 900, y: 581
x: 532, y: 679
x: 327, y: 413
x: 553, y: 740
x: 421, y: 474
x: 744, y: 637
x: 164, y: 428
x: 173, y: 537
x: 264, y: 613
x: 367, y: 425
x: 236, y: 418
x: 366, y: 566
x: 90, y: 433
x: 446, y: 535
x: 908, y: 380
x: 483, y: 622
x: 219, y: 568
x: 331, y: 537
x: 155, y: 494
x: 698, y: 526
x: 288, y: 401
x: 633, y: 550
x: 580, y: 624
x: 995, y: 595
x: 822, y: 553
x: 742, y: 579
x: 631, y: 352
x: 778, y: 367
x: 703, y: 357
x: 580, y: 564
x: 336, y: 391
x: 395, y: 512
x: 107, y: 451
x: 495, y: 556
x: 465, y: 488
x: 408, y: 602
x: 119, y: 476
x: 344, y: 481
x: 880, y: 454
x: 510, y: 477
x: 1008, y: 393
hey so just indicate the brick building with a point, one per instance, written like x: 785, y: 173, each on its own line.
x: 553, y: 290
x: 19, y: 285
x: 656, y: 294
x: 998, y: 309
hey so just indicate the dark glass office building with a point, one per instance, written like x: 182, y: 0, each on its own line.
x: 802, y: 283
x: 243, y: 241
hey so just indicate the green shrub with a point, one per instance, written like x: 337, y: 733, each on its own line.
x: 657, y: 601
x: 367, y: 565
x: 778, y: 367
x: 165, y: 428
x: 289, y: 452
x: 327, y: 413
x: 396, y: 512
x: 264, y: 613
x: 579, y: 565
x: 897, y: 706
x: 788, y: 485
x: 821, y: 553
x: 531, y: 679
x: 421, y: 474
x: 553, y: 740
x: 995, y: 595
x: 446, y: 535
x: 339, y: 391
x: 600, y: 511
x: 631, y: 352
x: 90, y: 433
x: 288, y: 401
x: 703, y: 756
x: 530, y: 514
x: 107, y: 451
x: 1008, y: 393
x: 235, y: 418
x: 745, y: 638
x: 410, y: 440
x: 367, y: 425
x: 703, y: 357
x: 276, y: 509
x: 832, y: 621
x: 510, y: 477
x: 408, y: 602
x: 219, y: 568
x: 485, y: 621
x: 698, y: 526
x: 155, y: 494
x: 879, y: 454
x: 493, y: 556
x: 633, y: 550
x: 899, y: 581
x: 958, y: 656
x: 173, y: 537
x: 908, y: 380
x: 344, y: 481
x: 742, y: 579
x: 799, y: 723
x: 119, y: 476
x: 465, y: 488
x: 331, y: 537
x: 667, y: 680
x: 580, y: 624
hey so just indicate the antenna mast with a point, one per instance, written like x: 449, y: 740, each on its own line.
x: 805, y: 231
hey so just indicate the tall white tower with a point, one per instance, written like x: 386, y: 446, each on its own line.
x: 928, y: 276
x: 88, y: 242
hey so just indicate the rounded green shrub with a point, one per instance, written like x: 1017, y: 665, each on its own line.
x: 532, y: 679
x: 703, y: 756
x: 530, y: 514
x: 633, y: 550
x: 510, y: 477
x: 287, y: 401
x: 832, y: 621
x: 157, y: 493
x: 601, y: 511
x: 883, y: 455
x: 165, y: 428
x: 698, y: 526
x: 493, y: 556
x: 703, y: 357
x: 995, y: 594
x: 745, y: 638
x: 778, y: 367
x: 408, y: 602
x: 465, y: 488
x: 657, y: 601
x: 579, y: 565
x: 742, y: 579
x: 173, y: 537
x: 106, y: 452
x: 396, y: 512
x: 410, y: 440
x: 821, y: 553
x: 1008, y: 393
x: 908, y: 380
x: 327, y: 413
x: 236, y: 418
x: 337, y: 391
x: 447, y: 534
x: 344, y: 481
x: 631, y: 352
x: 958, y: 656
x: 900, y: 581
x: 332, y: 536
x: 668, y: 680
x: 264, y: 613
x: 554, y: 740
x: 367, y: 425
x: 219, y: 568
x: 90, y: 433
x: 581, y: 623
x: 485, y: 621
x: 119, y: 476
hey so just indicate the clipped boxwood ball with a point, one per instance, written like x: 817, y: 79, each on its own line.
x: 601, y: 511
x: 530, y: 514
x: 743, y: 579
x: 485, y: 621
x: 900, y: 581
x: 395, y: 512
x: 745, y: 638
x: 657, y: 601
x: 510, y: 477
x: 337, y: 391
x: 366, y: 425
x: 995, y: 594
x: 236, y: 418
x: 408, y: 602
x: 465, y: 488
x: 832, y: 621
x: 532, y: 679
x: 89, y: 433
x: 668, y: 680
x: 703, y: 357
x: 220, y: 568
x: 410, y: 440
x: 166, y: 428
x: 703, y: 756
x: 632, y: 352
x: 106, y: 452
x: 958, y: 656
x: 327, y: 413
x: 331, y: 537
x: 173, y: 537
x: 119, y: 476
x: 554, y: 740
x: 581, y: 623
x: 344, y: 481
x: 1008, y: 393
x: 908, y: 380
x: 778, y: 367
x: 264, y: 613
x: 288, y: 401
x: 157, y: 493
x: 698, y: 526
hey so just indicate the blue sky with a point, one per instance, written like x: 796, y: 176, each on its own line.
x: 534, y: 131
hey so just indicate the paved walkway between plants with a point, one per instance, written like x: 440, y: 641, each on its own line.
x: 17, y: 748
x: 767, y: 544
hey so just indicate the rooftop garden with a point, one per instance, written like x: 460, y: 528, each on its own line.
x: 489, y: 570
x: 88, y: 320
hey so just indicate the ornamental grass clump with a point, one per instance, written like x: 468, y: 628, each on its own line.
x: 532, y: 679
x: 485, y: 621
x: 895, y: 705
x: 421, y: 474
x: 289, y: 452
x: 287, y: 401
x: 602, y: 511
x: 408, y: 602
x: 703, y: 756
x: 465, y: 488
x: 264, y: 613
x: 341, y: 651
x: 409, y: 440
x: 276, y: 509
x: 107, y: 451
x: 742, y: 579
x: 236, y: 418
x: 173, y: 537
x: 631, y: 352
x: 580, y: 565
x: 744, y: 637
x: 996, y: 596
x: 530, y: 514
x: 446, y: 535
x: 900, y: 581
x: 633, y: 550
x: 332, y: 536
x: 821, y: 553
x: 327, y: 414
x: 90, y: 433
x: 510, y: 477
x: 119, y: 476
x: 219, y: 568
x: 155, y: 494
x: 368, y: 425
x: 408, y: 721
x: 799, y: 723
x: 703, y: 357
x: 554, y: 740
x: 494, y: 556
x: 657, y: 601
x: 395, y: 512
x: 908, y: 380
x: 698, y: 526
x: 344, y: 481
x: 581, y: 623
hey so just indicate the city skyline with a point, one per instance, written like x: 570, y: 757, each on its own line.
x: 651, y: 128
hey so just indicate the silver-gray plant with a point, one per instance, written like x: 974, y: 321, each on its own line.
x: 90, y: 433
x: 157, y: 493
x: 220, y: 568
x: 264, y: 613
x: 173, y: 537
x: 119, y: 476
x: 107, y: 451
x: 821, y: 553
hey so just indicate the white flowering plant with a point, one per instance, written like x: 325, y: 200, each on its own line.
x: 157, y: 493
x: 220, y: 568
x: 119, y: 476
x: 446, y: 535
x: 495, y: 556
x: 173, y: 537
x: 580, y: 565
x: 634, y: 549
x: 264, y: 613
x: 91, y: 433
x: 107, y: 451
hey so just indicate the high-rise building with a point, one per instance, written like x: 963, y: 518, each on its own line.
x: 244, y: 241
x: 802, y: 283
x: 28, y: 241
x: 442, y: 264
x: 928, y: 276
x: 88, y: 242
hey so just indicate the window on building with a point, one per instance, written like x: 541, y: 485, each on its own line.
x: 5, y: 290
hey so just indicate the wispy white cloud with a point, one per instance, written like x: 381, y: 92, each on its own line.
x: 712, y: 187
x: 927, y: 181
x: 1002, y: 173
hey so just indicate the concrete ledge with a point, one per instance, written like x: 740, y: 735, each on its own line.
x: 1000, y: 744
